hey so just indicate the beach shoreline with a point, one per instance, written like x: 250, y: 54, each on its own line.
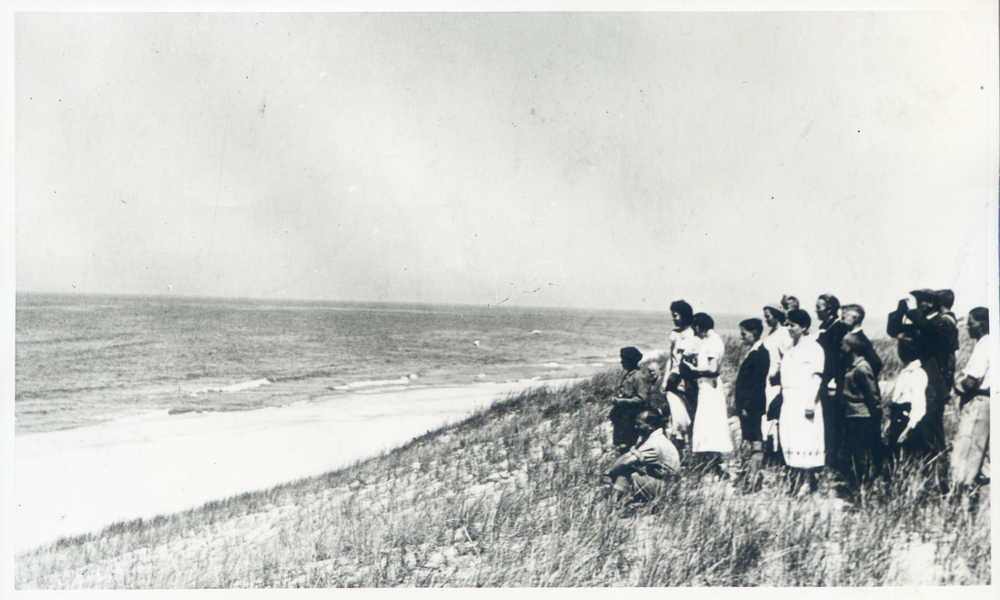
x: 77, y: 481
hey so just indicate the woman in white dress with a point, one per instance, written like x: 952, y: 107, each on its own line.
x: 801, y: 420
x: 710, y: 435
x: 777, y: 343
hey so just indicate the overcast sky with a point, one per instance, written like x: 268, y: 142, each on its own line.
x: 606, y: 160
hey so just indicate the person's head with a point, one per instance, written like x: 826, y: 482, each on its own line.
x: 681, y: 312
x: 946, y: 298
x: 979, y: 322
x: 647, y: 422
x: 751, y: 330
x: 928, y: 301
x: 789, y: 303
x: 701, y: 324
x: 798, y: 323
x: 851, y: 346
x: 773, y: 316
x: 853, y: 315
x: 827, y: 306
x: 630, y: 357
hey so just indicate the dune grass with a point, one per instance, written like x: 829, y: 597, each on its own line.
x: 511, y: 497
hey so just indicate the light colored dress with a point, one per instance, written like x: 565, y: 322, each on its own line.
x: 711, y: 423
x: 802, y: 437
x: 777, y: 343
x: 681, y: 343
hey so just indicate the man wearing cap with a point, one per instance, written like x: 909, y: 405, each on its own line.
x: 634, y: 395
x: 926, y: 335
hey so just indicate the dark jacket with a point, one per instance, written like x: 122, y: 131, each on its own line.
x: 751, y: 381
x: 830, y: 338
x: 872, y: 357
x: 933, y: 341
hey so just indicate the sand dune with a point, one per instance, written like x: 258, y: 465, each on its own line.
x: 80, y: 480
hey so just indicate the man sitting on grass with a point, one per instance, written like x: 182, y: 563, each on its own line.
x: 639, y: 474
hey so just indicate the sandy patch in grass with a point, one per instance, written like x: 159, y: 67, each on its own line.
x: 79, y: 480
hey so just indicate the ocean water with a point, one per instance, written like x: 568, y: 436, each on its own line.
x: 83, y: 360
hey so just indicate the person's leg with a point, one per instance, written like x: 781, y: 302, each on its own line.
x: 831, y: 427
x: 645, y: 487
x: 971, y: 439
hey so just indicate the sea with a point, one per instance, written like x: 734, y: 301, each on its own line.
x: 81, y: 360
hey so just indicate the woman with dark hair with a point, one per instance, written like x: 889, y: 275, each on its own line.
x: 681, y: 394
x: 710, y: 435
x: 801, y: 420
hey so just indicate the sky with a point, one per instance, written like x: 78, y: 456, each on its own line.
x: 592, y: 160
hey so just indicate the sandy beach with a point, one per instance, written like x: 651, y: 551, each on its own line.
x: 80, y: 480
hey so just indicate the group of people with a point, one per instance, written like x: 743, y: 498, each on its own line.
x: 807, y: 397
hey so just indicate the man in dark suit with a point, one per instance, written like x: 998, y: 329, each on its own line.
x: 831, y: 333
x: 947, y: 299
x: 749, y: 393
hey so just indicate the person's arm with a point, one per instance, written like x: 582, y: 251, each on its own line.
x: 816, y: 363
x: 670, y: 370
x: 864, y: 382
x: 712, y: 369
x: 817, y: 380
x: 918, y: 408
x: 759, y: 381
x: 894, y: 326
x: 874, y: 361
x: 623, y: 465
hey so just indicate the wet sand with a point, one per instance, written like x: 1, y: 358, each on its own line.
x: 80, y: 480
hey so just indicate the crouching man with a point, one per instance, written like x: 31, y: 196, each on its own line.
x: 640, y: 473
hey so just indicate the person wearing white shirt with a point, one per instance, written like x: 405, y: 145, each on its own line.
x: 970, y: 451
x: 710, y: 434
x: 640, y: 473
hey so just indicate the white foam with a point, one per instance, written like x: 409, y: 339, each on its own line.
x: 236, y: 387
x: 376, y: 383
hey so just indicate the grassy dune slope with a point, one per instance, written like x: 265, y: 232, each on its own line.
x: 511, y: 497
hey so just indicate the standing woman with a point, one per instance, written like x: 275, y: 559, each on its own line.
x: 801, y: 420
x: 710, y: 435
x: 777, y: 343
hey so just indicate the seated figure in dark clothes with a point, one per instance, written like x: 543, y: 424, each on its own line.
x: 640, y: 473
x: 635, y: 394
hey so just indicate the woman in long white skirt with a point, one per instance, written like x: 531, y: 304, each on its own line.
x: 710, y: 435
x: 801, y: 421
